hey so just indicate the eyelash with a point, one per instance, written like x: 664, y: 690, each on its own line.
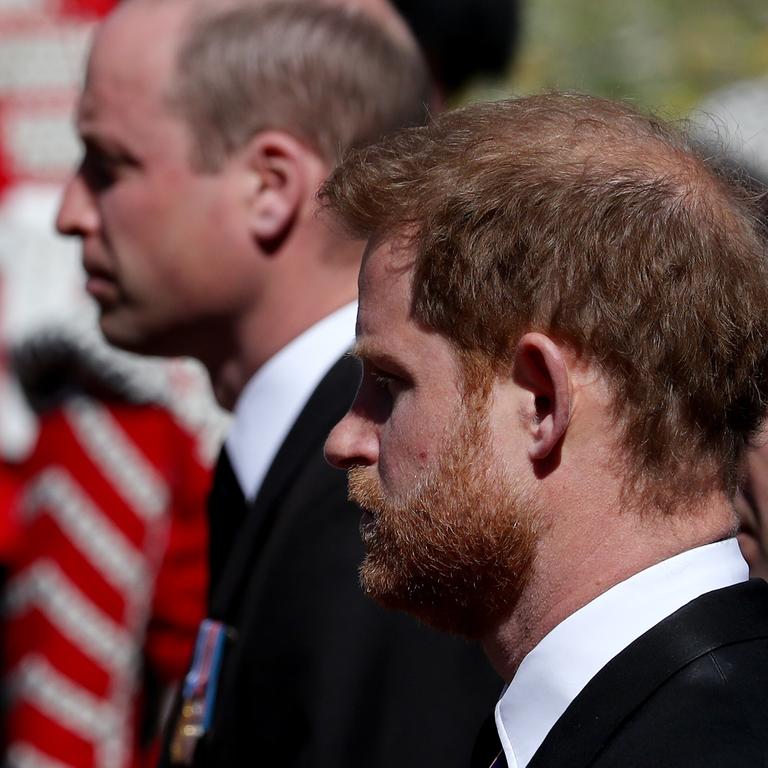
x: 383, y: 380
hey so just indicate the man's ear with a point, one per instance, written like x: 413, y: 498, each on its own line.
x: 281, y: 177
x: 540, y: 367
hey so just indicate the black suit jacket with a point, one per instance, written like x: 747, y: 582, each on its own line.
x: 320, y: 676
x: 692, y: 691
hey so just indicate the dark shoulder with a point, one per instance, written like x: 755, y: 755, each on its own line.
x: 712, y: 712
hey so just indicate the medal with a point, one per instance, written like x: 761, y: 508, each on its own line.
x: 199, y: 692
x: 189, y: 729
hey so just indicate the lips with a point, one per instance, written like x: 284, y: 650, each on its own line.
x: 100, y: 283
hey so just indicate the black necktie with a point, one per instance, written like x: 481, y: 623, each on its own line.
x: 226, y: 513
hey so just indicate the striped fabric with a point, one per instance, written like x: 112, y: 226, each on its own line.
x: 109, y: 577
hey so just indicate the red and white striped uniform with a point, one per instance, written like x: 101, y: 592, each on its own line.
x: 109, y: 576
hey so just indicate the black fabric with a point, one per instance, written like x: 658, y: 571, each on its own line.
x: 487, y: 745
x: 319, y: 676
x: 692, y: 691
x: 464, y: 38
x: 226, y: 513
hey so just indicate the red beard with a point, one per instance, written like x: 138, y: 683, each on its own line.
x: 458, y: 549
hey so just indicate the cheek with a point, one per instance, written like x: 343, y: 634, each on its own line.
x: 136, y: 218
x: 119, y: 210
x: 408, y: 445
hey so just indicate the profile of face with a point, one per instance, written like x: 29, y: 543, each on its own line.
x: 449, y: 532
x: 159, y: 236
x: 751, y: 504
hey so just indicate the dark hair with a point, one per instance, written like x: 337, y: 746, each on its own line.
x: 331, y: 76
x: 463, y: 39
x: 586, y: 220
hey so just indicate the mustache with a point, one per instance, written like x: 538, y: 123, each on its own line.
x: 364, y: 489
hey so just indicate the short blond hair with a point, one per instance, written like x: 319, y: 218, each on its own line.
x: 333, y: 77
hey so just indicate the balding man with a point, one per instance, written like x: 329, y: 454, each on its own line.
x: 564, y: 341
x: 207, y: 130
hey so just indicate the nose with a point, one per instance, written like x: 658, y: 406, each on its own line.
x: 78, y: 215
x: 352, y: 442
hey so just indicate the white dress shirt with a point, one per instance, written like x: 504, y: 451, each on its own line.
x: 557, y: 669
x: 273, y: 399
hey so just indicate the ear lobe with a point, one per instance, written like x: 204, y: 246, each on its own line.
x: 540, y: 367
x: 277, y: 186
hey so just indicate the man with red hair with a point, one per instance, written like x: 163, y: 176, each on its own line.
x: 564, y: 342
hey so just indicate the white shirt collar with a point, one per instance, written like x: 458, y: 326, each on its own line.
x: 557, y: 669
x: 275, y: 396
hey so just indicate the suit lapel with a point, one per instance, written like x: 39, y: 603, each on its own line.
x: 734, y: 614
x: 328, y: 403
x: 487, y: 745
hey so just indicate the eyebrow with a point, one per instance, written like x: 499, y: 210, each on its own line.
x: 108, y: 147
x: 93, y: 136
x: 363, y: 349
x: 92, y: 139
x: 367, y: 352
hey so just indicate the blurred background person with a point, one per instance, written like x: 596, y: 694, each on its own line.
x: 464, y: 40
x: 105, y: 579
x: 752, y: 506
x: 106, y: 583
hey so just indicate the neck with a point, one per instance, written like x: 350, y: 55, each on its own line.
x: 563, y: 581
x: 263, y: 333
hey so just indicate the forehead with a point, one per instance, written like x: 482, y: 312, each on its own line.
x: 131, y: 65
x: 385, y: 280
x: 386, y: 326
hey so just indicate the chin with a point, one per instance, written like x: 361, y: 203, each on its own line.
x: 465, y: 608
x: 126, y: 342
x: 116, y: 335
x: 132, y: 338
